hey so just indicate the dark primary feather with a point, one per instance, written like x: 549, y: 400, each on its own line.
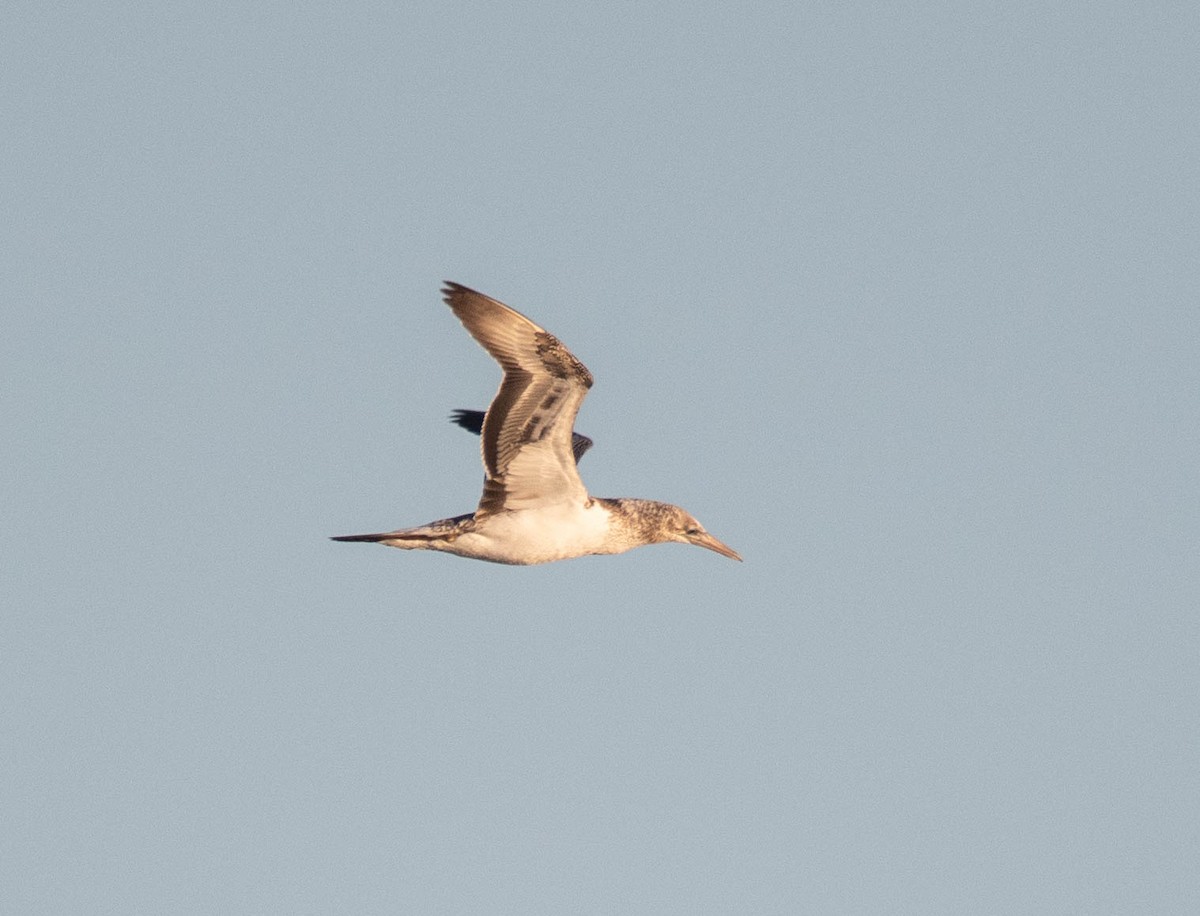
x: 472, y: 421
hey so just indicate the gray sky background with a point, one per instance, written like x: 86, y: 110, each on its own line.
x: 899, y: 299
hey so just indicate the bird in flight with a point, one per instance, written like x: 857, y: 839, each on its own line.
x: 534, y: 507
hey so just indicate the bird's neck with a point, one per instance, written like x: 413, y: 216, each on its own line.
x: 640, y: 520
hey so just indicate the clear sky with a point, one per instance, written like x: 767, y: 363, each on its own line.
x: 900, y: 300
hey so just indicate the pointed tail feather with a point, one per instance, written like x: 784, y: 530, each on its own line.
x: 412, y: 534
x: 415, y: 537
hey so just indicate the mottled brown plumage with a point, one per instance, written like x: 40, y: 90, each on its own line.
x: 534, y: 507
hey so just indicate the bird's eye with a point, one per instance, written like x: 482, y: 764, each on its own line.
x: 693, y: 531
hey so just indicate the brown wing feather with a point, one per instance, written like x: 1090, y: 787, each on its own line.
x: 527, y: 432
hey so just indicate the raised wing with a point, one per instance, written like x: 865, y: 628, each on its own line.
x: 527, y: 449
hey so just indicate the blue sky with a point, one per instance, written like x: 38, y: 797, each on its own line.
x: 899, y: 300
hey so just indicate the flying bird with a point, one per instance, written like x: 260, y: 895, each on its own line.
x: 534, y: 507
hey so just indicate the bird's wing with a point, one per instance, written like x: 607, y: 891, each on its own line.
x: 527, y: 445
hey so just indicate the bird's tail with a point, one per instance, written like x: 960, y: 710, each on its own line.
x: 366, y: 538
x: 417, y: 538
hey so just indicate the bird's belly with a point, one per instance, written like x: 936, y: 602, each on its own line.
x: 537, y: 535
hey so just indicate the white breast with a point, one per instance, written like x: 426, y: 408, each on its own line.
x: 556, y: 532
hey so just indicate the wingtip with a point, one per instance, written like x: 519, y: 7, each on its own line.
x: 450, y: 289
x: 470, y: 420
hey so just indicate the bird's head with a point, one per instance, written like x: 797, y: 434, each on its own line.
x: 682, y: 526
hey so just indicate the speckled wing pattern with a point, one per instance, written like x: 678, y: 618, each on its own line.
x: 527, y: 449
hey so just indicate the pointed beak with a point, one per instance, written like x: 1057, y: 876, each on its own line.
x: 707, y: 540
